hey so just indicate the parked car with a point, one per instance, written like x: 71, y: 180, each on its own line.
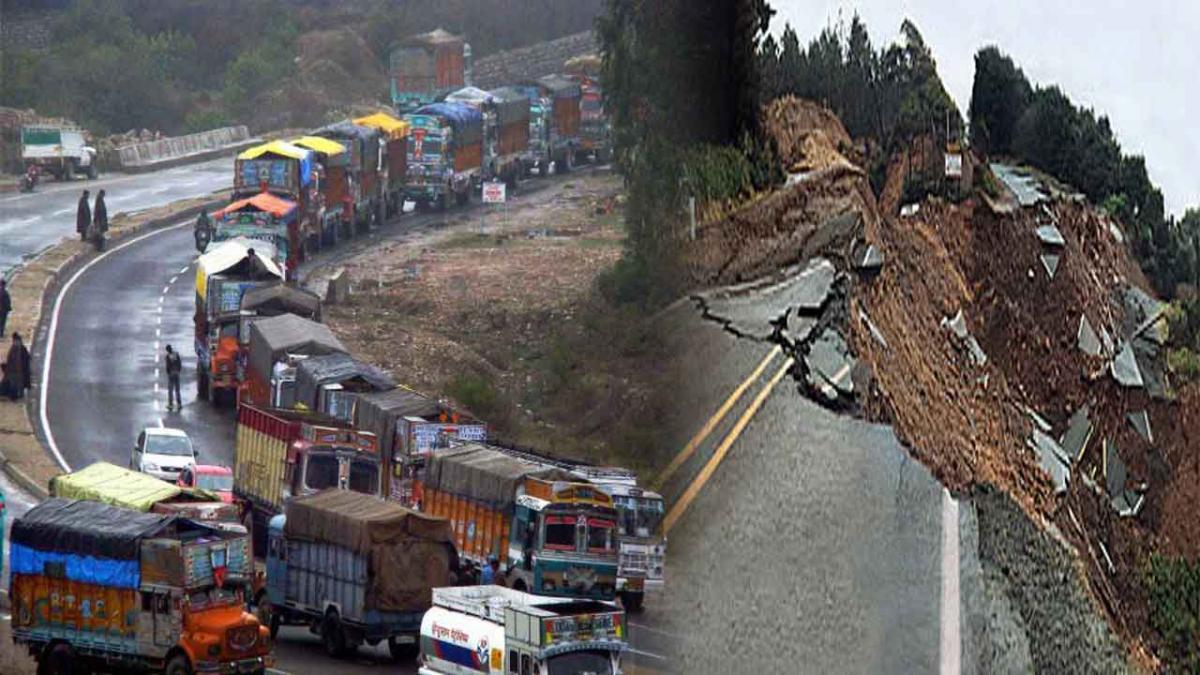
x: 218, y: 479
x: 162, y: 453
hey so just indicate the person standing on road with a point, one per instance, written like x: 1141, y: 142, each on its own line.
x: 5, y: 305
x: 100, y: 215
x: 17, y: 368
x: 174, y: 367
x: 83, y: 217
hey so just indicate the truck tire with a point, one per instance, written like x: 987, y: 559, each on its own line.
x: 403, y: 652
x: 266, y: 614
x: 69, y: 171
x: 178, y: 665
x: 59, y: 659
x: 333, y: 638
x: 462, y: 198
x: 91, y: 172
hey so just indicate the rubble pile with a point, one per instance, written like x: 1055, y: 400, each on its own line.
x: 809, y: 137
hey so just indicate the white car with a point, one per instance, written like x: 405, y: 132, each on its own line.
x: 162, y: 453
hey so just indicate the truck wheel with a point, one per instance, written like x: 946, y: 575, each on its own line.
x: 333, y: 638
x: 91, y: 172
x: 202, y: 385
x: 58, y: 659
x: 178, y: 665
x: 462, y: 198
x: 440, y: 203
x: 403, y: 651
x: 266, y: 615
x: 69, y: 171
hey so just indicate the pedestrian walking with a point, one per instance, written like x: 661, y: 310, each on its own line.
x: 5, y: 305
x: 17, y: 371
x: 83, y: 217
x: 174, y: 367
x: 99, y: 221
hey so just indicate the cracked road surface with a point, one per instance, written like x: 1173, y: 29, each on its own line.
x: 113, y: 324
x: 32, y: 222
x: 816, y: 545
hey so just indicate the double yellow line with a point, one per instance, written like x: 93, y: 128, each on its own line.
x: 697, y: 484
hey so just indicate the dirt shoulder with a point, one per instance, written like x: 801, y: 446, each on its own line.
x: 500, y: 314
x: 33, y: 288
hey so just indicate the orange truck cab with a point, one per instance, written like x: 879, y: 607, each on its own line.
x: 97, y: 586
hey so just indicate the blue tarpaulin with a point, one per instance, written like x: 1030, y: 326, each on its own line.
x: 75, y: 567
x: 460, y: 115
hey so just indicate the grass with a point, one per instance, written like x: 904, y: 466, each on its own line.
x: 1173, y: 586
x: 1184, y: 362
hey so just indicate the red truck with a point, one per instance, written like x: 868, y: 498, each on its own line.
x: 270, y: 377
x: 427, y: 66
x: 395, y: 164
x: 595, y: 135
x: 505, y: 114
x: 336, y: 210
x: 365, y: 170
x: 565, y: 96
x: 284, y: 453
x: 287, y: 171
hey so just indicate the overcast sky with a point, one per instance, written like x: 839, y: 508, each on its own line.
x: 1136, y: 62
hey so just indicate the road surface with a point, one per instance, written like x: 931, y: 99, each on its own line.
x: 800, y: 540
x: 32, y: 222
x: 113, y: 323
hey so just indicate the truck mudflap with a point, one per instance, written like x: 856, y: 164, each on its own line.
x: 257, y: 664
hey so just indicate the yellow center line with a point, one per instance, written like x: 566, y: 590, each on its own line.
x: 706, y: 473
x: 713, y: 421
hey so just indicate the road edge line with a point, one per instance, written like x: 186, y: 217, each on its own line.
x: 950, y: 638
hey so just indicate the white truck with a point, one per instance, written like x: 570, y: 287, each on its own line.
x: 499, y: 631
x: 57, y: 150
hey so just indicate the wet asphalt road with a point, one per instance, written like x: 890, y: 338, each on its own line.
x: 112, y: 327
x: 816, y: 546
x: 32, y: 222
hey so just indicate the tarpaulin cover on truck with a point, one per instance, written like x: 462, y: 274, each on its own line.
x: 281, y: 298
x: 233, y: 255
x: 286, y: 150
x: 113, y: 485
x: 512, y: 105
x: 321, y: 145
x: 560, y: 86
x: 408, y: 552
x: 272, y: 338
x: 385, y: 123
x: 379, y: 413
x: 263, y: 201
x: 320, y: 370
x: 466, y: 120
x: 366, y: 137
x: 484, y: 474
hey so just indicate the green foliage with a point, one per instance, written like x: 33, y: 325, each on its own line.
x: 999, y: 95
x: 1184, y: 363
x: 717, y: 172
x: 203, y: 120
x: 477, y: 392
x: 892, y: 94
x: 1173, y: 586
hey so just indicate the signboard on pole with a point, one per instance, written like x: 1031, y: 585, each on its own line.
x: 494, y: 192
x: 954, y: 165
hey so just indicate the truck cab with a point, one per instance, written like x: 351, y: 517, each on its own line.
x: 563, y: 541
x: 60, y: 151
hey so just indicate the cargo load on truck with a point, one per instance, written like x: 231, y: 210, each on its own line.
x: 395, y: 158
x: 595, y: 133
x: 223, y: 275
x: 57, y: 150
x: 564, y: 95
x: 279, y: 298
x: 275, y: 347
x: 332, y: 383
x: 425, y: 67
x: 505, y: 130
x: 356, y: 568
x: 94, y: 585
x: 365, y: 169
x: 445, y: 153
x: 287, y: 171
x: 335, y: 210
x: 553, y: 536
x: 117, y: 486
x: 261, y: 217
x: 410, y: 426
x: 497, y: 630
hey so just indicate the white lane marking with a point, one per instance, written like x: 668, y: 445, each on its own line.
x: 648, y: 629
x: 156, y: 404
x: 160, y: 301
x: 158, y: 331
x: 160, y: 423
x: 160, y: 318
x: 184, y: 269
x: 156, y: 349
x: 51, y: 334
x: 166, y: 289
x: 951, y: 640
x: 172, y: 283
x: 61, y: 212
x: 646, y: 654
x: 156, y: 372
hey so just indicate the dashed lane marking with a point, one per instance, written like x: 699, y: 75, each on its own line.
x: 166, y: 289
x: 950, y: 647
x: 678, y: 509
x: 716, y: 418
x: 648, y: 655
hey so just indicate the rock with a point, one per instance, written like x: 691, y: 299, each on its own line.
x: 829, y: 359
x: 1087, y: 340
x: 1125, y: 369
x: 1050, y: 236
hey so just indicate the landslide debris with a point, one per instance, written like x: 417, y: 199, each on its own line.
x: 809, y: 137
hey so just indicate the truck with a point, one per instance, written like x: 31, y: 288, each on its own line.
x: 426, y: 66
x: 355, y: 569
x: 281, y: 454
x: 536, y: 159
x: 395, y: 158
x: 276, y: 344
x: 642, y: 545
x: 262, y: 217
x: 595, y: 133
x: 552, y: 535
x: 410, y: 426
x: 331, y: 384
x: 505, y: 130
x: 445, y: 153
x: 562, y: 134
x: 287, y: 171
x: 57, y: 150
x: 95, y: 586
x: 501, y: 631
x: 117, y: 486
x: 335, y: 213
x: 223, y: 275
x: 365, y: 169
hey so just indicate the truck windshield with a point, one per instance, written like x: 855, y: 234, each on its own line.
x: 321, y: 472
x: 213, y: 597
x: 581, y: 663
x: 600, y: 535
x: 214, y: 481
x: 560, y: 533
x: 364, y: 476
x: 639, y: 517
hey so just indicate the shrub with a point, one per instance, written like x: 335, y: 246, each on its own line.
x: 717, y: 173
x: 476, y: 393
x: 1173, y: 586
x: 1184, y: 362
x: 204, y: 120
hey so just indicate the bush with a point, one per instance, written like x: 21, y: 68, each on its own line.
x: 476, y: 393
x: 717, y: 173
x: 1184, y: 362
x: 1173, y: 586
x: 204, y: 120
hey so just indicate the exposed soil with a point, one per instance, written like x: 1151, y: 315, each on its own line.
x: 507, y: 323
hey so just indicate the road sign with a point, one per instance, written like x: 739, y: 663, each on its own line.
x: 954, y: 165
x: 494, y: 193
